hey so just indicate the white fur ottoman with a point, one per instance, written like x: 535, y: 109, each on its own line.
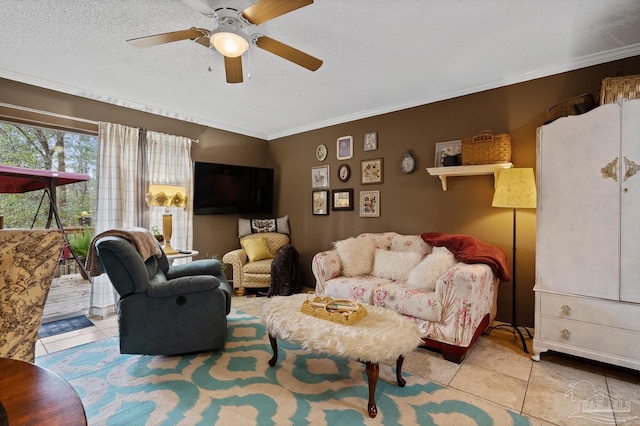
x: 381, y: 336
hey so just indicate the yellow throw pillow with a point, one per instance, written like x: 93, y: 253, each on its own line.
x: 256, y: 248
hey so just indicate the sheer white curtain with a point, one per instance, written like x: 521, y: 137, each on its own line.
x: 128, y: 160
x: 119, y: 199
x: 169, y: 163
x: 118, y: 195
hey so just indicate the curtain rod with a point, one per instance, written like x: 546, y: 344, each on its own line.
x: 148, y: 130
x: 64, y: 117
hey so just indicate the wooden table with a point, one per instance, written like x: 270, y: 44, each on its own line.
x: 361, y: 341
x: 34, y: 395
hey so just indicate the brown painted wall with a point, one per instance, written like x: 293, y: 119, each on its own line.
x: 218, y: 234
x: 410, y: 204
x: 416, y: 203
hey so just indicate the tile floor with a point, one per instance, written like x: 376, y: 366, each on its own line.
x: 555, y: 391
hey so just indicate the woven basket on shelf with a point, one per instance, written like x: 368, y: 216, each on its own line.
x: 572, y: 106
x: 616, y: 88
x: 486, y: 148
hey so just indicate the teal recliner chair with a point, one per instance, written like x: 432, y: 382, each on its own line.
x: 165, y: 310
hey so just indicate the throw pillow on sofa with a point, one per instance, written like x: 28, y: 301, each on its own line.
x: 356, y: 255
x: 394, y: 265
x: 428, y: 272
x: 411, y: 243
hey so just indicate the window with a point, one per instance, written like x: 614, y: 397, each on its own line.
x: 47, y: 149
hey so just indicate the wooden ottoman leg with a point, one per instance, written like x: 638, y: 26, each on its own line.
x: 274, y: 346
x: 373, y: 370
x: 399, y: 362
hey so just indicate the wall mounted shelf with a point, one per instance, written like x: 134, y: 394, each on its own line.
x: 482, y: 169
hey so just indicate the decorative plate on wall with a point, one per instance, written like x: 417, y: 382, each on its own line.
x: 321, y: 152
x: 344, y: 173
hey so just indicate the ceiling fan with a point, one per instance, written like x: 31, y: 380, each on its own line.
x: 231, y: 37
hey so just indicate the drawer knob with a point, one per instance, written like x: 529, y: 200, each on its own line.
x: 565, y: 334
x: 565, y: 310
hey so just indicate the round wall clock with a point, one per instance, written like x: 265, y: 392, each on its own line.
x: 408, y: 163
x: 321, y: 152
x: 344, y: 173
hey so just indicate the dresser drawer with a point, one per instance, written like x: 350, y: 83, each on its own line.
x: 589, y: 310
x: 595, y: 337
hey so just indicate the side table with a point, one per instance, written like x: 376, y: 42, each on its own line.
x: 34, y: 395
x: 187, y: 254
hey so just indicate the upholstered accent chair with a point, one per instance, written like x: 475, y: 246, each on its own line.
x: 165, y: 310
x: 252, y: 262
x: 28, y: 259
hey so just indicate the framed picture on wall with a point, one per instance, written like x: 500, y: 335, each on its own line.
x: 344, y: 147
x: 320, y: 177
x: 371, y: 141
x: 320, y: 202
x: 369, y: 203
x: 371, y: 171
x: 342, y: 199
x: 447, y: 149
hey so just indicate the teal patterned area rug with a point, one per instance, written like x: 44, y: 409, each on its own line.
x: 237, y: 387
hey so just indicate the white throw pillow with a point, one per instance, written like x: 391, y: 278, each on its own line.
x: 394, y: 265
x: 356, y: 255
x: 426, y: 274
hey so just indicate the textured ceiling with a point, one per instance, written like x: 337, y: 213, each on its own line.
x: 379, y: 55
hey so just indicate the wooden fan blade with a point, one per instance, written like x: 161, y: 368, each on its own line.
x: 289, y: 53
x: 233, y: 69
x: 154, y: 40
x: 266, y: 10
x: 204, y: 40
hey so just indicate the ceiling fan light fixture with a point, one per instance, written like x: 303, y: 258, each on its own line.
x: 229, y: 44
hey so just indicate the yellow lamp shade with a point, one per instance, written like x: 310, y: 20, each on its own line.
x: 516, y: 189
x: 166, y: 196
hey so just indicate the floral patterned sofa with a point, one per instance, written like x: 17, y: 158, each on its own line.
x: 447, y: 284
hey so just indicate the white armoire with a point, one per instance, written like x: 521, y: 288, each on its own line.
x: 587, y: 290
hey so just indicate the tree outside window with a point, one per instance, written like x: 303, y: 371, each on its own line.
x: 47, y: 149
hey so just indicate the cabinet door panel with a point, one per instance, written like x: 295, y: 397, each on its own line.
x: 578, y: 210
x: 630, y: 218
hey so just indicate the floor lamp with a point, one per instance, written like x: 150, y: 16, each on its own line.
x: 167, y: 196
x: 515, y: 189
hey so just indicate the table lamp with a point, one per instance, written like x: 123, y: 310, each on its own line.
x: 167, y: 196
x: 515, y: 189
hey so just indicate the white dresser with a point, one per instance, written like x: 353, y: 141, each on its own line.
x: 587, y: 290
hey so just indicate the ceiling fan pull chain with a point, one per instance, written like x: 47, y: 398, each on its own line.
x: 249, y: 64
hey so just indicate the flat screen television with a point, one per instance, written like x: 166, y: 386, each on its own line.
x: 228, y: 189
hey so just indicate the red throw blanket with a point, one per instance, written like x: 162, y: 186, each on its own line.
x: 468, y: 249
